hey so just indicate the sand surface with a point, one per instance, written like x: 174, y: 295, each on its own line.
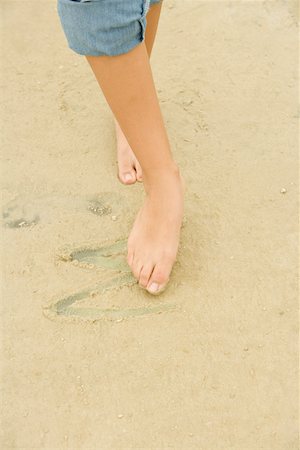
x: 89, y: 360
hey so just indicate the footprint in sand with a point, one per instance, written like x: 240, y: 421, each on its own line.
x: 117, y: 274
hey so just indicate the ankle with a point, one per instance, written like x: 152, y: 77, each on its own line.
x: 161, y: 178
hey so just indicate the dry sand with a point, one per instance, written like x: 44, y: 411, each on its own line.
x: 89, y: 360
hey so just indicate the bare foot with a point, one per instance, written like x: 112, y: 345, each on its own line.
x: 129, y: 169
x: 154, y: 238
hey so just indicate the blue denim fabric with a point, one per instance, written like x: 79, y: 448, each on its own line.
x: 103, y: 27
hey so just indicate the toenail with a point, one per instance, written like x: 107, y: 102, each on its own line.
x: 153, y: 287
x: 128, y: 177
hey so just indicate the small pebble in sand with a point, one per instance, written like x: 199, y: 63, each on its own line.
x: 283, y: 190
x: 94, y: 293
x: 246, y: 349
x: 60, y: 67
x: 120, y: 416
x: 91, y: 266
x: 65, y: 257
x: 187, y: 102
x: 114, y: 218
x: 75, y: 262
x: 119, y: 320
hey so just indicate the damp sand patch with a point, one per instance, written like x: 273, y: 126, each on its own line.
x: 105, y: 299
x: 27, y: 211
x: 18, y: 214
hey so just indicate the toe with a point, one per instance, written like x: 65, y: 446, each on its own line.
x: 145, y: 274
x: 139, y: 173
x: 127, y: 176
x: 160, y: 276
x: 136, y: 269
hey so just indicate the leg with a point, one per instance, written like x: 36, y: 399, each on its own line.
x: 128, y: 86
x: 129, y: 169
x: 153, y: 16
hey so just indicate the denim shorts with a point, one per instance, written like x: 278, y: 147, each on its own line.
x: 103, y: 27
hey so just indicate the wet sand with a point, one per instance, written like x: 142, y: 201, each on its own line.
x: 90, y: 360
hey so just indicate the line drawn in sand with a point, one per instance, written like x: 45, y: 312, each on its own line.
x: 110, y: 259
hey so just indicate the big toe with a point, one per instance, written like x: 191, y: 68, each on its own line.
x: 160, y: 276
x: 127, y: 175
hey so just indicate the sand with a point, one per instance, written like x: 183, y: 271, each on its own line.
x: 91, y: 361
